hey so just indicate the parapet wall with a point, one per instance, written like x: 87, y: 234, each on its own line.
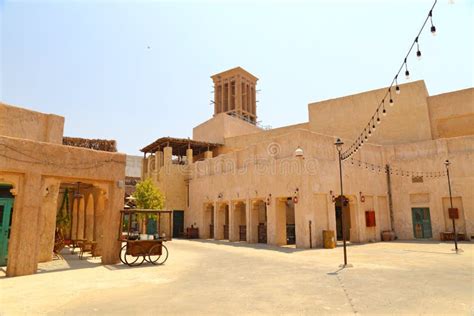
x: 26, y: 124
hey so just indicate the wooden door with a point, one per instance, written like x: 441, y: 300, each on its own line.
x: 5, y: 223
x: 178, y: 224
x: 421, y: 223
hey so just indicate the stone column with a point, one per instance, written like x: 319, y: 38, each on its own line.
x: 253, y: 108
x: 249, y: 222
x: 254, y: 211
x: 99, y: 219
x: 189, y: 156
x: 272, y: 223
x: 24, y: 242
x: 233, y: 222
x: 216, y: 221
x: 229, y: 94
x: 149, y: 165
x: 208, y: 154
x: 238, y: 94
x: 114, y: 203
x: 47, y: 219
x: 216, y: 102
x: 221, y: 97
x: 81, y: 218
x: 89, y: 211
x: 74, y: 217
x: 248, y: 97
x: 167, y: 156
x: 158, y: 158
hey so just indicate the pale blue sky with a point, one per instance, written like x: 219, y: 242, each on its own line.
x: 89, y: 61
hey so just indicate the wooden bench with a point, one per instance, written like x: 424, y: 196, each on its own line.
x: 449, y: 236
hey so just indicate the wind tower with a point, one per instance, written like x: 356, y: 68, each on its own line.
x: 235, y: 94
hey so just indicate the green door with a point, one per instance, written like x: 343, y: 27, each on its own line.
x: 421, y: 222
x: 5, y: 222
x: 178, y: 224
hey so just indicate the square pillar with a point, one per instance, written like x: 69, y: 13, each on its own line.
x: 24, y: 242
x: 149, y: 165
x: 250, y: 221
x: 113, y: 205
x: 47, y: 220
x: 158, y: 159
x: 167, y: 156
x: 233, y: 222
x: 189, y: 156
x: 208, y: 154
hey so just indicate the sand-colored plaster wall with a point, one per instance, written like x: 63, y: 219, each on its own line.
x: 240, y: 142
x: 222, y: 126
x: 27, y: 124
x: 407, y: 121
x: 256, y: 172
x: 452, y: 114
x: 433, y: 191
x: 35, y: 170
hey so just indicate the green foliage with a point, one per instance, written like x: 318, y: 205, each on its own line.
x: 148, y: 196
x: 63, y: 218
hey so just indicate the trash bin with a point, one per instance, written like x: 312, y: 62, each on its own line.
x: 329, y: 239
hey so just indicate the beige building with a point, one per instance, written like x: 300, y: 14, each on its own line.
x: 239, y: 182
x: 36, y: 170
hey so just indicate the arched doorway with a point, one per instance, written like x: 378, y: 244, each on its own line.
x: 342, y: 207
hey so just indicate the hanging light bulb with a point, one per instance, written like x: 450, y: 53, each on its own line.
x: 418, y: 53
x: 397, y: 88
x: 373, y: 124
x: 384, y: 112
x: 407, y: 73
x: 378, y: 118
x: 390, y: 92
x: 370, y: 132
x: 433, y: 28
x: 365, y: 137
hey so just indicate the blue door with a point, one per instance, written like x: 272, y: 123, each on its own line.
x: 5, y: 223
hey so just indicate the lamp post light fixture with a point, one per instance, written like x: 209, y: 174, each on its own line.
x: 447, y: 163
x: 338, y: 145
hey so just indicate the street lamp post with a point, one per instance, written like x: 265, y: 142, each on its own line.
x: 447, y: 163
x: 339, y: 144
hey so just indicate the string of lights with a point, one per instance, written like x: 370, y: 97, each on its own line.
x: 389, y: 97
x: 396, y: 171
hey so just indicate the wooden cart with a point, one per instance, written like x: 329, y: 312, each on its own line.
x: 142, y: 241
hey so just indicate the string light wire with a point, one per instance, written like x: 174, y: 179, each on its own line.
x: 356, y: 144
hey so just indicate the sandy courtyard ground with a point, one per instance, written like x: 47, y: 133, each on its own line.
x: 221, y: 278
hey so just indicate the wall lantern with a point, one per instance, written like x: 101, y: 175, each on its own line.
x: 333, y: 197
x: 299, y: 153
x: 269, y: 199
x: 220, y: 195
x: 362, y: 197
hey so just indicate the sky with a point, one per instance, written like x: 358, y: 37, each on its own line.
x: 135, y: 71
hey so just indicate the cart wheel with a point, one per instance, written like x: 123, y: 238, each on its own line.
x: 158, y: 259
x: 122, y: 253
x: 135, y: 260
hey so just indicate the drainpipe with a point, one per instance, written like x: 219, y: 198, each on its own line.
x: 389, y: 192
